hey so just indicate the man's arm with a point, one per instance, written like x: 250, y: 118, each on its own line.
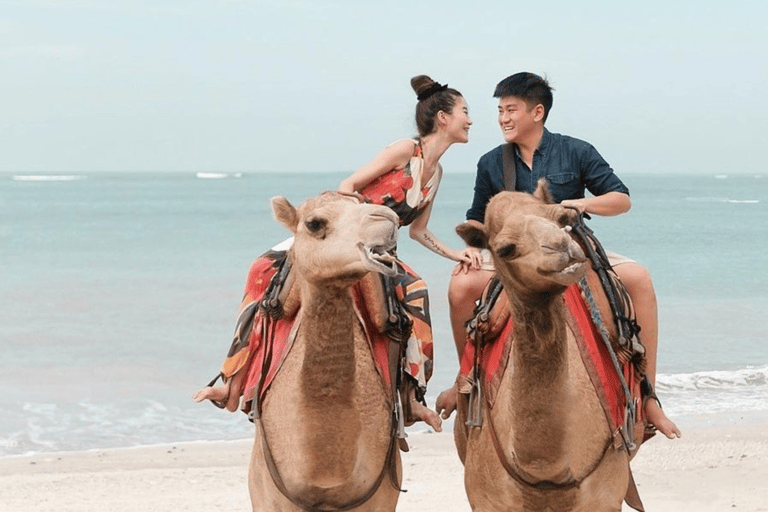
x: 611, y: 196
x: 608, y: 204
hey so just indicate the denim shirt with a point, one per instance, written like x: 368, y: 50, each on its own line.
x: 570, y: 165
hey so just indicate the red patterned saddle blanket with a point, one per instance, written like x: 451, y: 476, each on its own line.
x: 263, y: 338
x: 496, y: 348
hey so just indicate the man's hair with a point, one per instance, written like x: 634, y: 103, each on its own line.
x: 530, y: 88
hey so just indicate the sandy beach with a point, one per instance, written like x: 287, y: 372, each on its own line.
x: 715, y: 469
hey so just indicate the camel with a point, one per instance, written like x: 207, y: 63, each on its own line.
x: 558, y: 451
x: 326, y: 422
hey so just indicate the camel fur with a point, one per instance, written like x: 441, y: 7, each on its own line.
x: 327, y: 416
x: 549, y: 421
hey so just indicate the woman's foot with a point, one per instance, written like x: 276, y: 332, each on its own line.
x: 217, y: 394
x: 446, y: 402
x: 654, y: 415
x: 221, y: 395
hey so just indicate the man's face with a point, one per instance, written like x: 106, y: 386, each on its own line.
x: 516, y: 120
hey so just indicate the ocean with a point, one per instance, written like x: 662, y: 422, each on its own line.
x: 119, y: 292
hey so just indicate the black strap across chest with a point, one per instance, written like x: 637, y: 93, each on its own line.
x: 508, y: 163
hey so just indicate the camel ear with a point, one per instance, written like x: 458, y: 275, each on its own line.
x: 473, y: 233
x: 542, y: 192
x: 285, y: 213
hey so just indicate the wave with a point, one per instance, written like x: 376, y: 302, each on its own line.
x: 720, y: 200
x: 34, y: 427
x: 47, y: 427
x: 218, y: 175
x: 715, y: 379
x: 48, y: 177
x: 715, y: 391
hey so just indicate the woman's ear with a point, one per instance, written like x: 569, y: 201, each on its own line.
x: 442, y: 118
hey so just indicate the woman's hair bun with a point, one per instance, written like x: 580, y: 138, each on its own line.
x: 421, y: 83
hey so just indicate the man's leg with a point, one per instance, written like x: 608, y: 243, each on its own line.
x: 637, y: 281
x: 464, y: 289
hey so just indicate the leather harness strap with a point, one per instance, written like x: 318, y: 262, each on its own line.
x: 528, y: 480
x: 390, y: 465
x: 508, y: 163
x: 307, y: 507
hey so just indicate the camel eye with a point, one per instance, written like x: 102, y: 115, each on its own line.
x: 315, y: 224
x: 508, y: 251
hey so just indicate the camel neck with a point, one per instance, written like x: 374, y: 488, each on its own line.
x: 540, y: 377
x: 329, y: 365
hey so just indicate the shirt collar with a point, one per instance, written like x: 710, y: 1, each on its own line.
x: 546, y: 139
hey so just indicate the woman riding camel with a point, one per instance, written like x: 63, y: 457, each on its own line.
x: 404, y: 177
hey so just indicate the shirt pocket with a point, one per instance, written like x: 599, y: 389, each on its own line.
x: 564, y: 186
x: 561, y: 179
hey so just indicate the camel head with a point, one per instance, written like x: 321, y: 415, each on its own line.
x: 529, y: 238
x: 337, y: 240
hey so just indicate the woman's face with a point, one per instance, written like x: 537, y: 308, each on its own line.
x: 458, y: 121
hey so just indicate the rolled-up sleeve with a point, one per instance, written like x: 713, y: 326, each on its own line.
x: 598, y: 176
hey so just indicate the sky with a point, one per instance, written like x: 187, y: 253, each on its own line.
x: 323, y: 85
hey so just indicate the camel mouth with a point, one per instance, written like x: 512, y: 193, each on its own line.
x: 574, y: 268
x: 380, y: 258
x: 568, y: 273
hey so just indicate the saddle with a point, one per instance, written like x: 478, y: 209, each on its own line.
x: 489, y: 344
x: 616, y: 365
x: 275, y: 319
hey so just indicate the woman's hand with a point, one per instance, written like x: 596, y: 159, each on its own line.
x: 469, y: 258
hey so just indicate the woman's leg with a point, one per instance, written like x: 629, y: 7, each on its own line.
x: 239, y: 357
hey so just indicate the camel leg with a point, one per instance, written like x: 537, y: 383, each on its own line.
x: 637, y: 280
x: 604, y: 490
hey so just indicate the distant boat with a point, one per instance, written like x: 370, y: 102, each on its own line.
x: 47, y: 177
x: 212, y: 175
